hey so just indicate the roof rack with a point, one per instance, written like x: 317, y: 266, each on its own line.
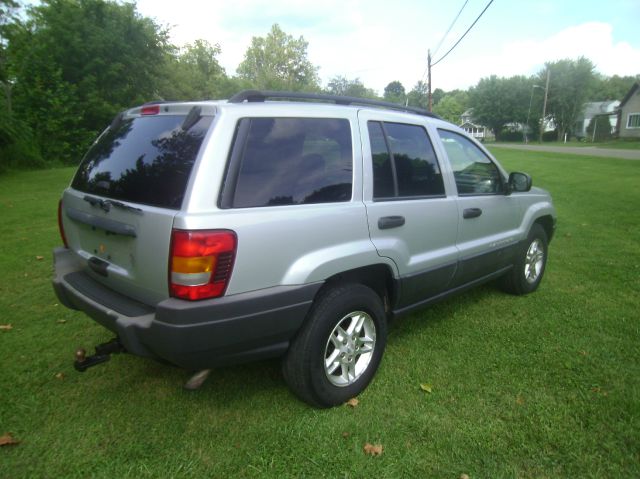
x: 262, y: 95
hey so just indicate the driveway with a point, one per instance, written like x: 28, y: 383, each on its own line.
x: 574, y: 150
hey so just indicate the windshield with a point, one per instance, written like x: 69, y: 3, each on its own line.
x: 144, y: 160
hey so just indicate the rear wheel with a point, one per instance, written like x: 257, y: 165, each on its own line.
x: 337, y: 352
x: 530, y: 263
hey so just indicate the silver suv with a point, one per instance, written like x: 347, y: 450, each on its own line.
x: 217, y: 232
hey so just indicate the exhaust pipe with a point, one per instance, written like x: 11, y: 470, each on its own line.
x: 102, y: 355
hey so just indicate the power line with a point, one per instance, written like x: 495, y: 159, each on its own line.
x: 463, y: 35
x: 435, y: 52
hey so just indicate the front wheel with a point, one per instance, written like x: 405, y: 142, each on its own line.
x: 530, y: 263
x: 337, y: 352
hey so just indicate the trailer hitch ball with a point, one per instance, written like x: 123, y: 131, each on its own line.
x: 81, y: 355
x: 103, y: 354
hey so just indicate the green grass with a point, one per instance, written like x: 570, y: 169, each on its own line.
x: 546, y: 385
x: 617, y: 144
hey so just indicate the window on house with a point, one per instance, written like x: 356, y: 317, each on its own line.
x: 633, y: 120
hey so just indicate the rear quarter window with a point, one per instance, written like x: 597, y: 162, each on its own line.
x: 289, y: 161
x: 145, y: 160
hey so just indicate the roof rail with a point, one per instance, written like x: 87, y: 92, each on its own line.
x: 262, y: 95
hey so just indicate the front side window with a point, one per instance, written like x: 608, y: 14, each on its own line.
x: 290, y: 161
x: 404, y: 162
x: 474, y: 172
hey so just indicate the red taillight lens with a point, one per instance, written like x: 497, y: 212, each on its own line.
x: 200, y: 263
x: 150, y: 110
x: 61, y: 226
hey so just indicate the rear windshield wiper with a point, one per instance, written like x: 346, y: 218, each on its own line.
x: 106, y: 205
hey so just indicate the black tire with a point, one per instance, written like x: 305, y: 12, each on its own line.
x: 530, y: 264
x: 304, y: 365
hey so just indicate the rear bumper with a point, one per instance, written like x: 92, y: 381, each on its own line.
x: 192, y: 335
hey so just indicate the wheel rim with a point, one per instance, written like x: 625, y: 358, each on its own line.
x: 349, y: 348
x: 534, y: 261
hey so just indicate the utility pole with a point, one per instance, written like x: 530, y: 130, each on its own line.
x: 429, y: 78
x: 544, y: 105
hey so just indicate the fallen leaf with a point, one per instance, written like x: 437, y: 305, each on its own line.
x: 519, y: 400
x: 345, y: 434
x: 373, y: 450
x: 61, y: 321
x: 60, y: 376
x: 464, y: 476
x: 39, y: 258
x: 8, y: 440
x: 5, y: 327
x: 426, y: 388
x: 353, y: 402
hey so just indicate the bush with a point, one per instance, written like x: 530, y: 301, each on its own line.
x: 510, y: 135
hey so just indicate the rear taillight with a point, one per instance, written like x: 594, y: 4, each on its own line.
x: 61, y: 226
x: 200, y: 263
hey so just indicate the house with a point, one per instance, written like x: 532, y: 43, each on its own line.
x: 590, y: 111
x: 477, y: 131
x: 629, y: 114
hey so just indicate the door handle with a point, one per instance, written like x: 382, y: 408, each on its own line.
x: 471, y: 213
x: 387, y: 222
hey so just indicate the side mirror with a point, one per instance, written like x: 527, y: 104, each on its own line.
x: 519, y: 182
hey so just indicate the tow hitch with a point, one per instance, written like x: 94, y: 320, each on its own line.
x: 103, y: 354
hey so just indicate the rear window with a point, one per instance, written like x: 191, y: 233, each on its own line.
x: 289, y: 161
x: 144, y: 160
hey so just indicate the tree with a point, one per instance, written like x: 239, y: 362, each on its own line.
x: 452, y: 106
x: 497, y: 102
x: 278, y: 62
x: 611, y: 88
x: 195, y: 74
x: 419, y: 95
x: 342, y: 86
x: 395, y: 93
x: 570, y: 82
x: 76, y: 63
x: 602, y: 127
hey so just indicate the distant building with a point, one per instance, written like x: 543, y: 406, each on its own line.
x: 590, y: 111
x: 479, y: 132
x: 629, y: 114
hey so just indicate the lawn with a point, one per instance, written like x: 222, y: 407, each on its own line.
x: 546, y: 385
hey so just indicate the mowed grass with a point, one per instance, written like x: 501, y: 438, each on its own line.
x: 545, y: 385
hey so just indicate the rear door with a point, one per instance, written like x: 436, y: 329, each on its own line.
x: 118, y: 212
x: 412, y: 218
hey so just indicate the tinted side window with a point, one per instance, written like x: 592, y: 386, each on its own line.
x: 404, y: 162
x: 474, y: 172
x: 383, y: 184
x: 290, y: 161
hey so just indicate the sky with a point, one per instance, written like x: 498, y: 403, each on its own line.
x: 382, y: 41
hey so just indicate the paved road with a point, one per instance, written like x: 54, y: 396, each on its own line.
x: 574, y: 150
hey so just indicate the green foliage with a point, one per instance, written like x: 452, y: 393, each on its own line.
x: 395, y: 93
x: 570, y: 82
x: 279, y: 62
x: 602, y: 127
x: 611, y: 88
x: 75, y: 64
x: 342, y: 86
x: 194, y: 74
x: 419, y: 95
x: 452, y: 106
x: 499, y: 101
